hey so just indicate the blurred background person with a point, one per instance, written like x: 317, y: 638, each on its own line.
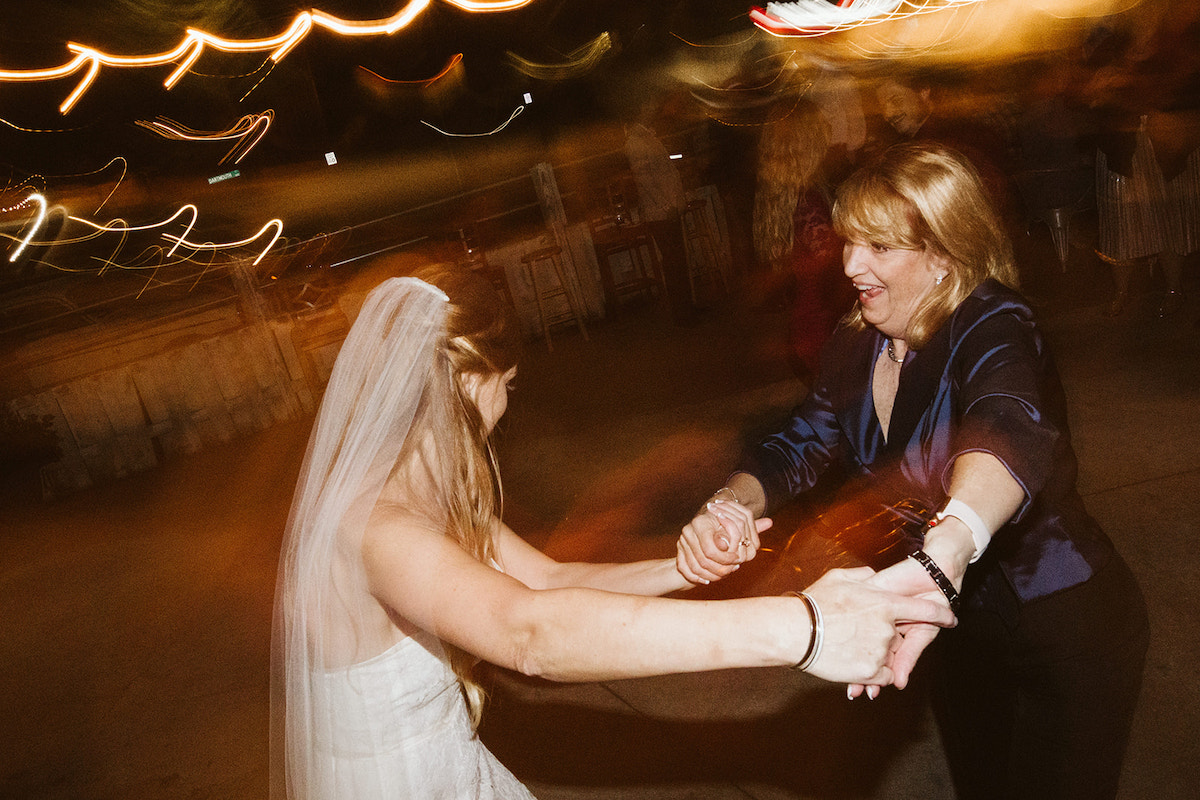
x: 1146, y: 96
x: 1054, y: 159
x: 793, y: 230
x: 661, y: 200
x: 928, y: 106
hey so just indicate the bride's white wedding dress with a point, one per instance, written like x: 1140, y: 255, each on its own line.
x: 394, y: 726
x: 401, y: 731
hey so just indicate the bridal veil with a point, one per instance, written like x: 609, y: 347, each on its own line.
x: 377, y: 385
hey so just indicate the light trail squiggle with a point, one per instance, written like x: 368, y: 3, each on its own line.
x: 277, y: 224
x: 44, y: 180
x: 516, y: 112
x: 124, y: 170
x: 40, y: 201
x: 89, y: 60
x: 577, y: 62
x: 455, y: 60
x: 249, y: 131
x: 119, y: 226
x: 113, y: 226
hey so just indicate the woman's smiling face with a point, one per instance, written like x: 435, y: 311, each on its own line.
x: 891, y: 283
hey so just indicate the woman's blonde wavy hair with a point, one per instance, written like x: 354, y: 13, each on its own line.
x: 790, y: 152
x: 927, y: 196
x: 482, y: 339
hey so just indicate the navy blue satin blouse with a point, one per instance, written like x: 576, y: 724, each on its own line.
x: 984, y: 382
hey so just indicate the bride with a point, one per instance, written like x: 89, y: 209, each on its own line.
x: 397, y: 575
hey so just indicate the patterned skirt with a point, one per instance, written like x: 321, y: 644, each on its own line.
x: 1144, y: 214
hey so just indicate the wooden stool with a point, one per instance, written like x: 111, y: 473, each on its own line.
x: 478, y: 263
x: 625, y: 241
x: 701, y: 247
x: 542, y: 293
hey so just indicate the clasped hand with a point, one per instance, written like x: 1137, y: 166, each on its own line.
x: 910, y: 579
x: 717, y: 540
x: 876, y: 624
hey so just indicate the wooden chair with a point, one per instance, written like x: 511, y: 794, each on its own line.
x: 544, y: 290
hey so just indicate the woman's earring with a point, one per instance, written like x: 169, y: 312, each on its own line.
x: 938, y: 280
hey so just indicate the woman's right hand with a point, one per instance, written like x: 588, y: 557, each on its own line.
x: 862, y: 625
x: 723, y: 535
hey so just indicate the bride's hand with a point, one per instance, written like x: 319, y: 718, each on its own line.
x: 719, y: 539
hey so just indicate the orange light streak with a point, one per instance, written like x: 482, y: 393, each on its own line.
x: 385, y: 27
x: 188, y: 51
x: 277, y: 224
x: 454, y: 61
x: 249, y: 130
x: 576, y: 63
x: 110, y: 227
x: 182, y: 241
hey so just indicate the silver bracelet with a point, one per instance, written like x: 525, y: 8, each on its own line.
x: 818, y: 632
x: 731, y: 493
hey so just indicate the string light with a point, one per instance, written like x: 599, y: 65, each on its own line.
x: 89, y: 60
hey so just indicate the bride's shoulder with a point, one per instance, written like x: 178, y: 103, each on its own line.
x: 389, y: 519
x: 389, y: 515
x: 396, y: 535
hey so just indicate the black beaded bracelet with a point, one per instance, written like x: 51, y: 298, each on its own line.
x: 939, y: 577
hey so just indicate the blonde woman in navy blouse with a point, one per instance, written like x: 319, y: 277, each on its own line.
x: 938, y: 386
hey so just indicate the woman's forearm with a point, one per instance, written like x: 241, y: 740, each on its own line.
x: 649, y: 578
x: 583, y: 635
x: 984, y: 484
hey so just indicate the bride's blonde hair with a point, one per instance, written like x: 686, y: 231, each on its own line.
x: 482, y: 339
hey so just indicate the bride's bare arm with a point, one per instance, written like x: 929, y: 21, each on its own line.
x: 581, y: 634
x: 538, y: 571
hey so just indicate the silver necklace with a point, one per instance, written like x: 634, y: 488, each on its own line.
x: 891, y: 352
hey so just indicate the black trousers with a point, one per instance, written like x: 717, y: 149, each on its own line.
x: 1036, y: 701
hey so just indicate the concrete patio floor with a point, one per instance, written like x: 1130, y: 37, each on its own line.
x: 135, y: 617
